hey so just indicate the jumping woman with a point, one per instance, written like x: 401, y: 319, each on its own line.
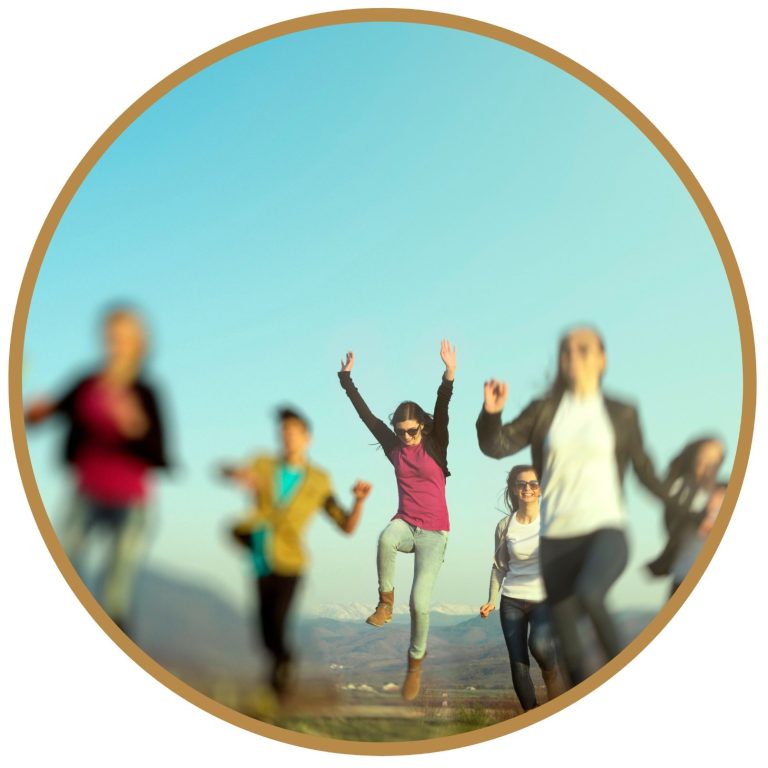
x: 416, y: 445
x: 581, y: 442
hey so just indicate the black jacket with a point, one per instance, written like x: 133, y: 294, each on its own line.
x: 681, y: 520
x: 532, y: 425
x: 435, y: 441
x: 150, y: 447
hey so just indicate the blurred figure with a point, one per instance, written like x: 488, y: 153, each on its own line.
x: 581, y: 442
x: 693, y: 536
x: 288, y: 491
x: 692, y: 482
x: 417, y: 447
x: 524, y: 614
x: 114, y: 440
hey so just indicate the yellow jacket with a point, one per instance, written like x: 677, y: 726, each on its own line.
x: 287, y: 521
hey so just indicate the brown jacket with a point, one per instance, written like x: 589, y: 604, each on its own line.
x: 288, y: 522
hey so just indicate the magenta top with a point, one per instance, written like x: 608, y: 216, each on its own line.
x: 105, y: 471
x: 420, y: 487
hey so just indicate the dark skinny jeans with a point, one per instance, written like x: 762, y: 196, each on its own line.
x: 577, y: 573
x: 275, y: 597
x: 517, y: 616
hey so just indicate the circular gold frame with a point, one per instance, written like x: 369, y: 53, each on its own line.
x: 350, y: 17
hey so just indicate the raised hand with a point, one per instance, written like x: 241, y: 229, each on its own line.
x: 448, y: 356
x: 494, y: 396
x: 486, y: 609
x: 346, y: 365
x: 361, y: 489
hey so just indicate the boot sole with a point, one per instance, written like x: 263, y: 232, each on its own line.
x: 374, y: 624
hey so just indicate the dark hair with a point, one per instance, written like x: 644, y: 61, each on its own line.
x: 560, y: 383
x: 408, y: 410
x: 682, y: 464
x: 510, y: 499
x: 286, y: 412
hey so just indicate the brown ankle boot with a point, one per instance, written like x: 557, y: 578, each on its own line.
x: 383, y: 613
x: 412, y: 682
x: 553, y: 683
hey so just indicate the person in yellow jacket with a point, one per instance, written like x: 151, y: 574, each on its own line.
x: 288, y: 491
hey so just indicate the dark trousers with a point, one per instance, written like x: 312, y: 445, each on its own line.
x: 275, y: 597
x: 517, y: 618
x: 577, y: 573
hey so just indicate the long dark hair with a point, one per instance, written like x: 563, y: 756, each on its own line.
x: 560, y: 384
x: 511, y: 501
x: 683, y: 463
x: 408, y: 410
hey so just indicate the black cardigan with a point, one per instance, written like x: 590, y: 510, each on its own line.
x: 435, y: 441
x: 532, y: 425
x: 150, y: 447
x: 681, y: 520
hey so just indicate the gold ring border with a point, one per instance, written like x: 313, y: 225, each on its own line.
x: 316, y: 21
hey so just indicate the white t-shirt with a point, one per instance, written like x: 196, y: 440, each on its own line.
x: 581, y: 492
x: 523, y: 578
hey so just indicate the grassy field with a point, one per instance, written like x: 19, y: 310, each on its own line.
x: 323, y: 709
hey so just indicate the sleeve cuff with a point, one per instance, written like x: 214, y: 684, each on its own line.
x: 489, y: 418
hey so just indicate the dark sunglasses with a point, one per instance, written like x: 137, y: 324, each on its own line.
x: 412, y: 432
x: 532, y: 484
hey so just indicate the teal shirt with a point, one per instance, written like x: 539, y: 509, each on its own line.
x: 287, y: 481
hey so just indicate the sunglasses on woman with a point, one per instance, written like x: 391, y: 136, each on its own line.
x: 532, y: 484
x: 412, y: 432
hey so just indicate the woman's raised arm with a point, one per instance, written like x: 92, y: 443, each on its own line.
x: 385, y: 436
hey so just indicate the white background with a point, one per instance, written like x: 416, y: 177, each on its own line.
x: 697, y: 70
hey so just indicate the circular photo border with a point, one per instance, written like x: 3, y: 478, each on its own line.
x: 315, y: 21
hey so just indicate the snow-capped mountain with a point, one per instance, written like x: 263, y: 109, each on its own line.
x: 358, y: 611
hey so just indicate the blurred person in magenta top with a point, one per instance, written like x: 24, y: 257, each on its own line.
x: 114, y: 441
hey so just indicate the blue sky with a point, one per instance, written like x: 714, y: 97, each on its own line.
x: 377, y: 187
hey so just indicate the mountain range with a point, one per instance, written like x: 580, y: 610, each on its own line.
x: 203, y: 639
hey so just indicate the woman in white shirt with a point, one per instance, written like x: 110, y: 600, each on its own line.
x: 515, y: 572
x: 581, y: 444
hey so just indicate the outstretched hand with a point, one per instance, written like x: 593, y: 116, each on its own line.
x: 346, y: 365
x: 494, y: 396
x: 361, y: 489
x: 245, y: 477
x: 485, y: 610
x: 448, y: 356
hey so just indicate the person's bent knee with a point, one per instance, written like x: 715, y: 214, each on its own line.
x: 543, y: 650
x: 592, y: 600
x: 388, y: 539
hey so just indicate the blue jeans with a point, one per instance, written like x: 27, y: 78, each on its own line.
x: 126, y: 527
x: 577, y: 573
x: 517, y: 616
x: 429, y: 549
